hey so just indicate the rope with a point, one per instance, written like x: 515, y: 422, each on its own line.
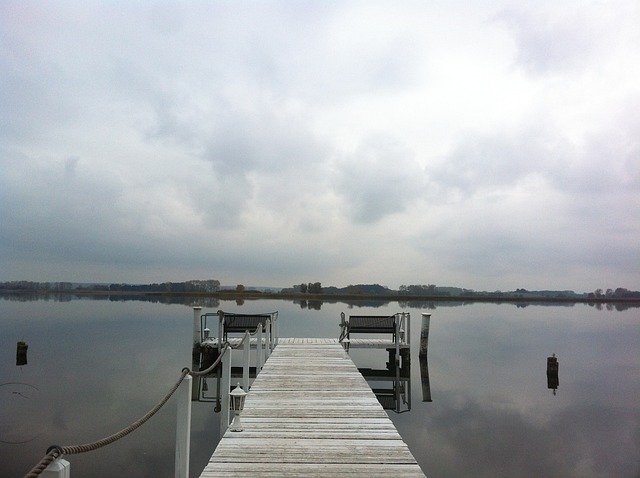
x: 212, y: 367
x: 344, y: 325
x: 56, y: 451
x: 343, y: 335
x: 44, y: 463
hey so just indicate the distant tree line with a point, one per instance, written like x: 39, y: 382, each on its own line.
x: 417, y: 289
x: 307, y: 288
x: 377, y: 290
x: 619, y: 293
x: 432, y: 290
x: 187, y: 286
x: 316, y: 288
x: 29, y: 286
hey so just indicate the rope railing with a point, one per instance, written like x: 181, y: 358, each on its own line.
x: 54, y: 452
x: 344, y: 326
x: 214, y: 365
x: 223, y: 316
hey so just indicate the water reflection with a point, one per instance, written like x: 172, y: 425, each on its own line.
x: 392, y: 384
x: 22, y: 399
x: 99, y: 365
x: 191, y: 301
x: 93, y: 368
x: 311, y: 303
x: 424, y: 378
x: 422, y: 355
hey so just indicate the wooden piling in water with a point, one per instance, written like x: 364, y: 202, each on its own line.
x: 424, y: 333
x: 21, y: 353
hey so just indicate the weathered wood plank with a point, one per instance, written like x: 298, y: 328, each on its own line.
x: 315, y: 470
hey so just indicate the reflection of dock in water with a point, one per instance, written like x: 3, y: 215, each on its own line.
x: 424, y: 378
x: 422, y: 356
x: 392, y: 387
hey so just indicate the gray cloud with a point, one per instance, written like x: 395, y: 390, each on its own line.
x: 555, y: 38
x: 231, y: 140
x: 380, y: 178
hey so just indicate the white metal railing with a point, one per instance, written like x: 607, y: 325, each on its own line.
x: 403, y: 328
x: 262, y: 352
x: 402, y: 331
x: 201, y: 331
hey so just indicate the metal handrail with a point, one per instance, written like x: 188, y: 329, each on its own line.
x: 220, y: 314
x: 216, y: 363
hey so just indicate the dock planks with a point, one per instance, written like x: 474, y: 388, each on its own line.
x: 311, y: 413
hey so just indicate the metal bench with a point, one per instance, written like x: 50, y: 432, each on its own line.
x: 372, y: 324
x: 239, y: 323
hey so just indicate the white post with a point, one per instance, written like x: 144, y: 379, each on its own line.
x: 197, y: 337
x: 275, y: 330
x: 246, y: 359
x: 408, y: 392
x: 220, y: 330
x: 397, y: 340
x: 403, y: 324
x: 58, y: 468
x: 183, y: 428
x: 407, y: 328
x: 259, y: 350
x: 225, y: 388
x: 267, y: 340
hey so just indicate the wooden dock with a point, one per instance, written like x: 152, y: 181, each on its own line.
x: 311, y: 413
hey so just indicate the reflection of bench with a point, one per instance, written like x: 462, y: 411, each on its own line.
x: 372, y: 324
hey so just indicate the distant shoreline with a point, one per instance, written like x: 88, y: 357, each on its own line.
x: 254, y: 295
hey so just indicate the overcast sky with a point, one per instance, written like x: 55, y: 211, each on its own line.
x: 491, y: 144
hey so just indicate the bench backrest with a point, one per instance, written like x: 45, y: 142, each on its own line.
x: 242, y: 322
x: 372, y: 323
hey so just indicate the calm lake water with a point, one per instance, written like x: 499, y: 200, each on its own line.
x: 95, y: 366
